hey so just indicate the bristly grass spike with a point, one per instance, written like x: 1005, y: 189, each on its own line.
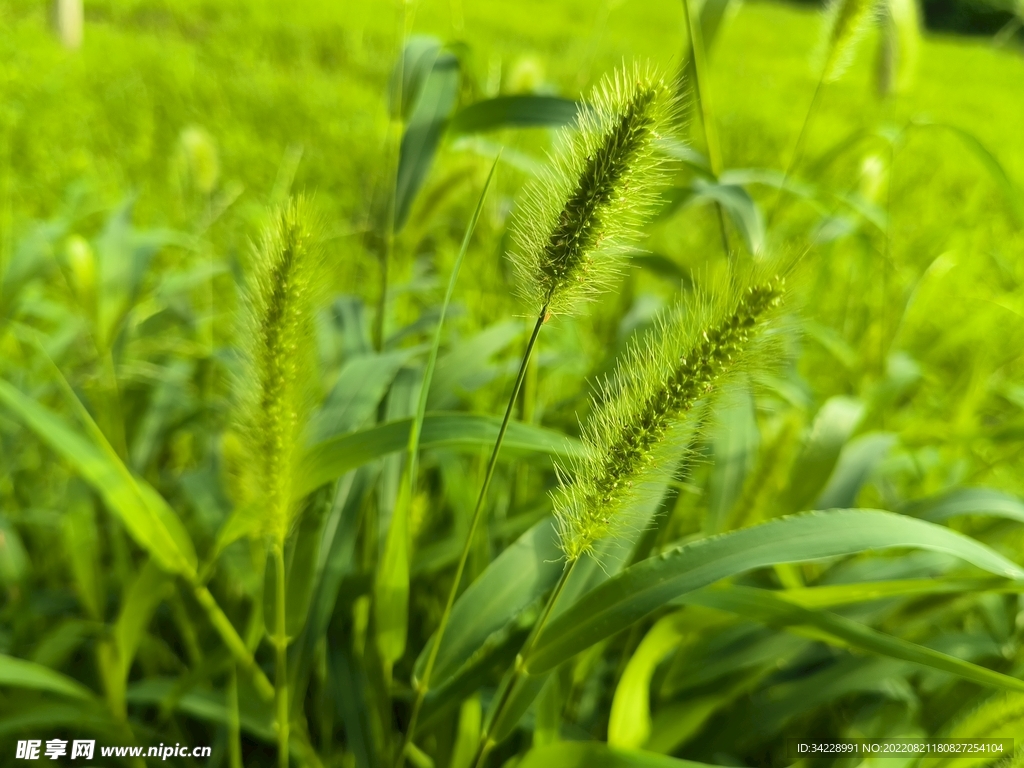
x: 579, y: 216
x: 846, y: 23
x: 277, y: 384
x: 654, y: 391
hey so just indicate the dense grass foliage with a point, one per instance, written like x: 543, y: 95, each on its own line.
x: 460, y: 384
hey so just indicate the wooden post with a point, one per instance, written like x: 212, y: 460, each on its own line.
x: 67, y: 19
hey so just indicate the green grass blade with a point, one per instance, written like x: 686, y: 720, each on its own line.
x: 255, y: 716
x: 651, y: 584
x: 967, y: 501
x: 764, y: 606
x: 18, y: 673
x: 629, y: 723
x: 332, y: 458
x: 149, y: 588
x: 517, y: 111
x: 423, y: 135
x: 496, y: 654
x: 830, y: 595
x: 832, y: 427
x: 145, y: 514
x: 391, y: 585
x: 510, y: 584
x: 337, y: 560
x: 857, y: 460
x: 593, y: 754
x: 734, y: 441
x: 354, y: 398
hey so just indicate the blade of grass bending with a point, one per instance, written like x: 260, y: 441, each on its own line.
x: 653, y: 583
x: 19, y: 673
x: 144, y: 512
x: 392, y: 587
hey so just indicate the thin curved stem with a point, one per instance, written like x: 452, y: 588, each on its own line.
x: 706, y: 112
x: 423, y: 685
x: 797, y: 149
x: 487, y: 742
x: 232, y: 640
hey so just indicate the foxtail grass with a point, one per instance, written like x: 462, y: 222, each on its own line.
x: 571, y: 233
x: 655, y: 389
x: 640, y: 414
x: 277, y: 393
x: 580, y: 216
x: 846, y: 23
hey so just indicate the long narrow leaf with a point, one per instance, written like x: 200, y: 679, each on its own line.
x: 145, y: 514
x: 391, y: 586
x: 332, y: 458
x: 647, y: 586
x: 764, y: 606
x: 18, y: 673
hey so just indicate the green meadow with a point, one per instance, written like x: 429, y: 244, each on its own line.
x: 455, y: 384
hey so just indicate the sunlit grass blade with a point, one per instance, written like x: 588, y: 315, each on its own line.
x: 653, y: 583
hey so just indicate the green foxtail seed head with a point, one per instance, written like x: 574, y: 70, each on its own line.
x: 576, y: 220
x: 846, y: 22
x: 278, y: 385
x: 646, y: 403
x: 898, y: 46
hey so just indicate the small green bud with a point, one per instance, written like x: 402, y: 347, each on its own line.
x: 198, y: 159
x: 81, y: 262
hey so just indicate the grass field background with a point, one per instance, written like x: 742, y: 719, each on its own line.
x: 164, y: 142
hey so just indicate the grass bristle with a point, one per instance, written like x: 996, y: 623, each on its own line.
x: 280, y: 360
x: 846, y: 23
x: 578, y: 217
x: 653, y: 393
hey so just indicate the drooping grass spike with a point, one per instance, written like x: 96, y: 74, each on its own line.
x: 650, y: 396
x: 578, y: 217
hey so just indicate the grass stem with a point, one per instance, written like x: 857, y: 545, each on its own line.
x: 281, y: 661
x: 487, y: 742
x: 423, y: 685
x: 234, y: 723
x: 798, y: 149
x: 706, y: 113
x: 233, y: 641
